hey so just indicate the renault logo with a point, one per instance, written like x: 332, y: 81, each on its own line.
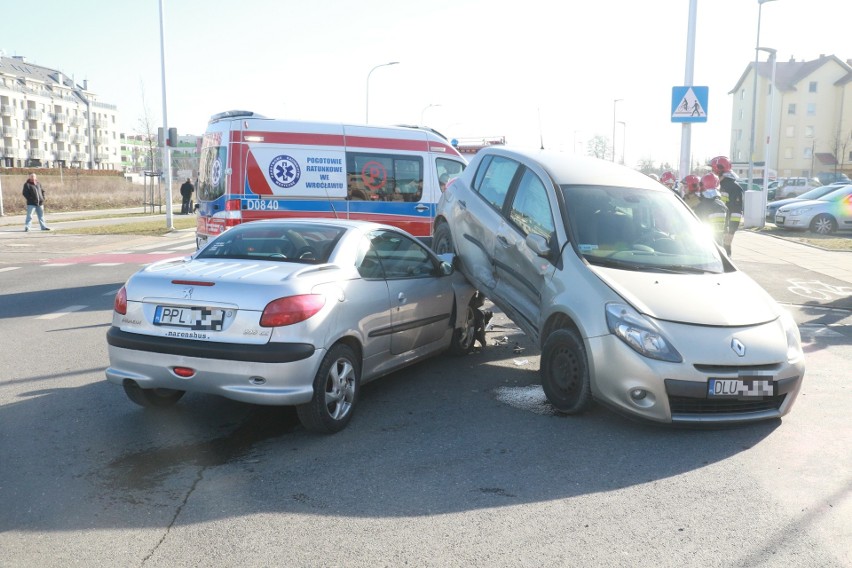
x: 738, y: 347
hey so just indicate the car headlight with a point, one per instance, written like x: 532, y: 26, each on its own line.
x: 794, y: 338
x: 640, y: 333
x: 797, y: 212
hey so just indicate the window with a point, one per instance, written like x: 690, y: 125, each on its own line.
x: 809, y: 131
x: 790, y: 132
x: 742, y: 94
x: 400, y: 256
x: 495, y: 179
x: 384, y: 177
x: 447, y: 171
x: 812, y: 87
x: 811, y: 109
x: 531, y: 211
x: 791, y: 108
x: 808, y: 152
x: 788, y: 153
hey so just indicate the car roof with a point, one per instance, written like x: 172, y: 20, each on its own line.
x: 569, y: 169
x: 326, y: 222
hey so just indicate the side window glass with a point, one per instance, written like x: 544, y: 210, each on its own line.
x: 480, y: 173
x: 408, y: 174
x: 369, y: 266
x: 531, y: 211
x: 447, y: 171
x: 382, y: 177
x: 402, y: 257
x: 497, y: 179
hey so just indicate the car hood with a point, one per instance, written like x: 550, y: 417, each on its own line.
x: 729, y: 299
x: 782, y: 202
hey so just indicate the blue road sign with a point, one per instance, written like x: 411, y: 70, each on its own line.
x: 689, y: 104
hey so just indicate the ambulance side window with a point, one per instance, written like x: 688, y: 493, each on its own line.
x: 383, y: 177
x: 447, y: 170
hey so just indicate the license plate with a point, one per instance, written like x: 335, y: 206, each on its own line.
x: 779, y: 220
x: 738, y: 388
x: 192, y: 318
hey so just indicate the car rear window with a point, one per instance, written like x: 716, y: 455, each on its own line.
x: 311, y: 244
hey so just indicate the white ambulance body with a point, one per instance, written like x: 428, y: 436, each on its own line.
x: 253, y: 167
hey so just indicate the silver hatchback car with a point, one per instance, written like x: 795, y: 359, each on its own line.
x: 623, y: 287
x: 297, y: 312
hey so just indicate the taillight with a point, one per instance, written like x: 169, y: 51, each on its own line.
x: 232, y: 205
x: 233, y: 213
x: 290, y: 310
x: 120, y: 304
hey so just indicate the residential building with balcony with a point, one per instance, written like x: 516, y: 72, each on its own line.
x: 810, y: 116
x: 47, y: 120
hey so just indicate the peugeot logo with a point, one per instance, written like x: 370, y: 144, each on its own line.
x: 738, y: 347
x: 187, y: 293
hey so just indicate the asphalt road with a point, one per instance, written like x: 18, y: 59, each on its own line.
x: 453, y: 462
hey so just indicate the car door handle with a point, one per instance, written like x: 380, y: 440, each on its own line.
x: 503, y: 241
x: 421, y: 208
x: 401, y: 298
x: 462, y: 204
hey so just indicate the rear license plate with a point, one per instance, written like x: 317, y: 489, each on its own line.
x: 739, y: 388
x: 192, y: 318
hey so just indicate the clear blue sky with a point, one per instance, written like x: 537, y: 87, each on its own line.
x: 523, y: 70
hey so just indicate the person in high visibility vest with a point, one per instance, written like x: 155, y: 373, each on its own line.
x: 732, y: 195
x: 702, y: 194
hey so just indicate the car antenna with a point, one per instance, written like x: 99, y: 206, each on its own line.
x: 540, y: 133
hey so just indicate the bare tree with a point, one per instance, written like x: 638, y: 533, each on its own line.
x: 147, y: 133
x: 599, y: 147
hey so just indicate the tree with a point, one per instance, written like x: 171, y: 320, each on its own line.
x: 598, y: 146
x: 147, y: 132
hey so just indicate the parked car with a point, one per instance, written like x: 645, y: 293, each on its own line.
x: 817, y: 192
x: 288, y: 312
x: 825, y: 215
x: 795, y: 186
x: 626, y: 292
x: 832, y: 177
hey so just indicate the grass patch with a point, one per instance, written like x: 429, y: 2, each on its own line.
x: 154, y: 227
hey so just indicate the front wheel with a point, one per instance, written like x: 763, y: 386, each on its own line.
x: 465, y: 336
x: 151, y: 398
x: 823, y: 224
x: 442, y: 241
x: 565, y: 372
x: 336, y: 388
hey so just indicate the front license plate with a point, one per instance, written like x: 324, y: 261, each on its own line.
x: 779, y: 220
x: 738, y: 388
x: 192, y: 318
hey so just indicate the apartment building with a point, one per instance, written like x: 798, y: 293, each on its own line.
x: 48, y: 120
x: 803, y: 121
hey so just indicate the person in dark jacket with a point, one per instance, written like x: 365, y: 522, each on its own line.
x: 732, y: 196
x: 34, y: 194
x: 186, y: 191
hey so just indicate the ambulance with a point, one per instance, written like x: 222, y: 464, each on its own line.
x: 252, y: 167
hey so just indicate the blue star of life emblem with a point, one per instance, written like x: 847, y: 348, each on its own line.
x: 284, y: 171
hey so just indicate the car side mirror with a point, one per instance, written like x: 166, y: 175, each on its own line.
x: 446, y: 268
x: 538, y: 245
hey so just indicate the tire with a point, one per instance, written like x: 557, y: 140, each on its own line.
x: 336, y: 387
x: 151, y: 398
x: 565, y: 372
x: 465, y: 337
x: 442, y: 240
x: 823, y: 224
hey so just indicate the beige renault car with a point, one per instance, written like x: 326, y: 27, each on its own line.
x: 623, y: 287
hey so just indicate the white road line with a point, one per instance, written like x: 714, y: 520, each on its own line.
x: 8, y: 268
x: 191, y: 246
x: 59, y: 264
x: 62, y: 312
x: 112, y: 292
x: 108, y: 264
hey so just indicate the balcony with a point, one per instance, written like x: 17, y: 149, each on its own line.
x: 98, y: 123
x: 61, y: 136
x: 101, y: 157
x: 78, y: 139
x: 34, y: 114
x: 36, y: 154
x: 79, y: 157
x: 60, y: 118
x: 9, y: 152
x: 75, y: 120
x: 35, y: 134
x: 9, y: 132
x: 63, y: 155
x: 7, y: 110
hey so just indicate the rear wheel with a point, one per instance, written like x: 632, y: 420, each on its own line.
x: 442, y: 241
x: 151, y: 398
x: 336, y: 388
x: 823, y: 224
x: 565, y: 372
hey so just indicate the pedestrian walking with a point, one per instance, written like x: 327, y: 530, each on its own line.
x: 34, y: 194
x: 186, y: 191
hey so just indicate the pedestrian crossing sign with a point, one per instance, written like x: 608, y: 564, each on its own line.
x: 689, y: 104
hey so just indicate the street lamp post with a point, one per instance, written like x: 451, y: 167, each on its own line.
x: 427, y: 107
x: 367, y: 112
x: 623, y: 140
x: 760, y: 4
x: 614, y: 102
x: 769, y: 116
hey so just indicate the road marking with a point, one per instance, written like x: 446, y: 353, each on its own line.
x: 8, y: 268
x: 62, y: 312
x: 108, y: 264
x: 59, y: 264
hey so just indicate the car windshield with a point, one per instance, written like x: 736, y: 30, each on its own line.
x: 836, y: 195
x: 818, y: 192
x: 638, y: 229
x: 290, y: 242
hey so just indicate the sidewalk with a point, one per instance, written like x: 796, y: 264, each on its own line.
x: 751, y: 246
